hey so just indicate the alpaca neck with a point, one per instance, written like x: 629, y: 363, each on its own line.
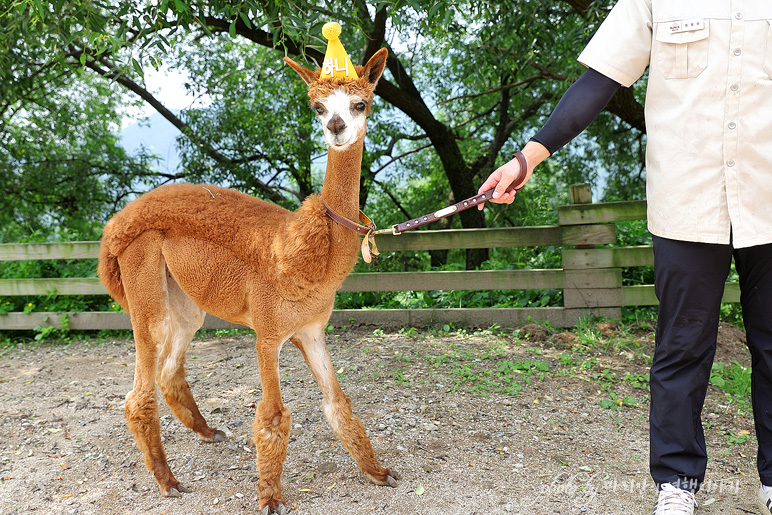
x: 340, y: 190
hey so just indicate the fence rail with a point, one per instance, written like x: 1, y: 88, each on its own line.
x: 591, y: 277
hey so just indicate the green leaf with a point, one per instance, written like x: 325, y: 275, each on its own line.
x: 608, y: 404
x: 245, y: 19
x: 137, y: 66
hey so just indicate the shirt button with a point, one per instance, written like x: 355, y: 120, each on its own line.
x: 734, y: 87
x: 739, y: 16
x: 737, y: 51
x: 732, y: 125
x: 730, y: 163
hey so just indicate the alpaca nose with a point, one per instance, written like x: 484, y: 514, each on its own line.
x: 336, y: 124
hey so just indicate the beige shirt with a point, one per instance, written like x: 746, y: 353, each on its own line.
x: 708, y: 111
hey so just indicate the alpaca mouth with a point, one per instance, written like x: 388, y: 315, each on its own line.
x: 340, y: 141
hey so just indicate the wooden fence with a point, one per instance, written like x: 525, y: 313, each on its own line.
x: 591, y: 277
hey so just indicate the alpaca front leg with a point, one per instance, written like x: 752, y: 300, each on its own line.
x: 337, y: 407
x: 271, y: 434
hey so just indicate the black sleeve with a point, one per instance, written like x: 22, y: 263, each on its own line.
x: 580, y: 105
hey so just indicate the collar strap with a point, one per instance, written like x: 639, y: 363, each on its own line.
x: 369, y: 248
x: 348, y: 224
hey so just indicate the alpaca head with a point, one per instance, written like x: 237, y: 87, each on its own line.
x: 342, y: 103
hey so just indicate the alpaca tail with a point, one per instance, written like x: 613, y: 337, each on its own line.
x: 110, y: 274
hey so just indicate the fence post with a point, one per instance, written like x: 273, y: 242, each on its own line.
x: 591, y: 291
x: 581, y: 194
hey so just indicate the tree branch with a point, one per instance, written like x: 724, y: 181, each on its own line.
x: 265, y: 39
x: 404, y: 154
x: 112, y: 72
x: 543, y: 75
x: 393, y: 198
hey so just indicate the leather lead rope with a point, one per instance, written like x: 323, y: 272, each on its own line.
x: 369, y: 230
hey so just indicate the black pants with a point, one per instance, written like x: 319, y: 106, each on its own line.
x: 689, y: 282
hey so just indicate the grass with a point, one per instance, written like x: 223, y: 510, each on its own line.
x: 735, y: 381
x: 498, y: 362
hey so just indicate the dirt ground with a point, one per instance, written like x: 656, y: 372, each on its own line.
x: 561, y: 444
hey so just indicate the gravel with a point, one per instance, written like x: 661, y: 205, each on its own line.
x: 550, y: 448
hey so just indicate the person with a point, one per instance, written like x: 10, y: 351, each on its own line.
x: 708, y: 111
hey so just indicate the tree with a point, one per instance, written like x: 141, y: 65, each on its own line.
x: 61, y: 164
x: 467, y: 83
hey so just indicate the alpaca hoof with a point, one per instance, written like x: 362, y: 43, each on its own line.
x: 389, y: 478
x: 280, y: 510
x: 217, y: 437
x: 176, y: 491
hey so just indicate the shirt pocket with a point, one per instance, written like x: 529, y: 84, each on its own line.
x: 681, y: 55
x: 768, y: 51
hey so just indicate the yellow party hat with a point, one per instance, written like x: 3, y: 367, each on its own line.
x: 336, y: 61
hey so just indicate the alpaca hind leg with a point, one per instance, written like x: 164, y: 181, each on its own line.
x: 337, y: 407
x: 271, y: 430
x: 144, y: 282
x: 185, y: 319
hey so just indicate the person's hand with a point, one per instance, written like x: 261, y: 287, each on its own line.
x: 501, y: 179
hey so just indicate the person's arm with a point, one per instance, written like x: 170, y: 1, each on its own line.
x: 580, y: 105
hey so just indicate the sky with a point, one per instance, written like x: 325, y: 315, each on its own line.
x: 168, y: 86
x: 143, y: 126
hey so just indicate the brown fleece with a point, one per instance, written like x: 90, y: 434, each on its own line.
x: 182, y: 250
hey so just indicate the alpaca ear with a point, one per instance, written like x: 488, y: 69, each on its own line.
x: 373, y: 70
x: 307, y: 75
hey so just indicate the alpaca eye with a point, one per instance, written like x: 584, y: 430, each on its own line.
x: 360, y: 106
x: 319, y: 109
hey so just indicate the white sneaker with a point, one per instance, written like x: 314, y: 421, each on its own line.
x: 674, y: 501
x: 765, y: 500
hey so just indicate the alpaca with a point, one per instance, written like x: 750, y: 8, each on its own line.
x: 181, y: 251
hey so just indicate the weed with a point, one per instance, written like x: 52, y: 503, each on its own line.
x: 566, y: 359
x: 732, y: 314
x: 588, y: 333
x: 400, y: 379
x: 494, y: 330
x: 737, y: 438
x: 637, y: 380
x: 60, y: 332
x: 409, y: 332
x: 734, y: 380
x: 444, y: 330
x: 613, y: 403
x: 403, y: 358
x: 605, y: 377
